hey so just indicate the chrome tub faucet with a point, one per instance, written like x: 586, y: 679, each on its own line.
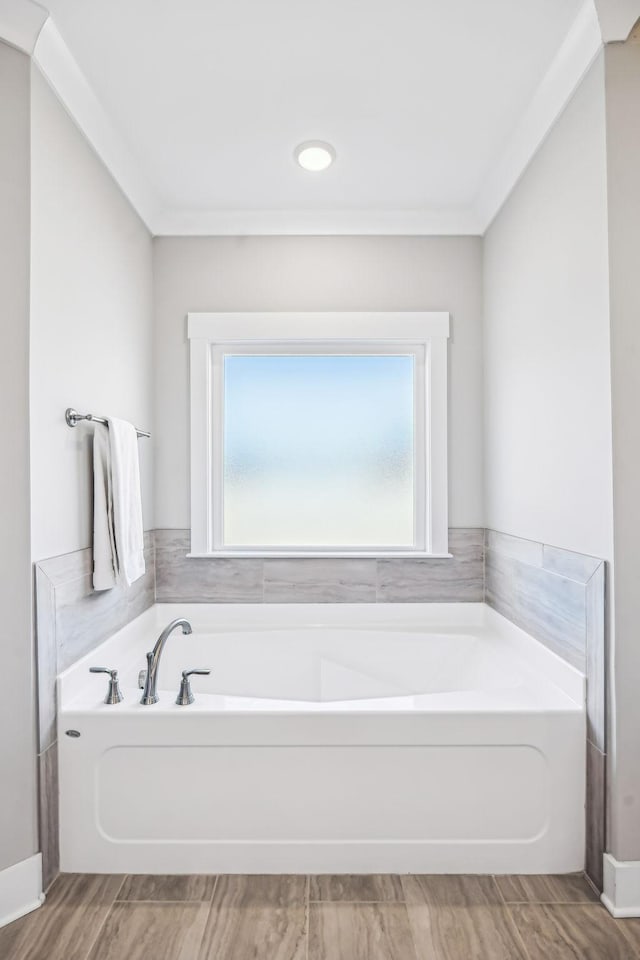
x: 150, y: 695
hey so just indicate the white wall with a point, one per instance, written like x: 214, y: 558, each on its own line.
x: 546, y: 318
x: 91, y: 322
x: 317, y: 273
x: 623, y: 138
x: 18, y: 836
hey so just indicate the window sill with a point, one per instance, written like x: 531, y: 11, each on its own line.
x: 301, y: 555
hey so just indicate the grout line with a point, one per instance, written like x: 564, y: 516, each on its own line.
x: 208, y: 918
x: 510, y: 921
x: 100, y: 927
x: 497, y: 886
x: 543, y: 903
x: 552, y: 903
x: 358, y: 902
x: 119, y: 890
x: 205, y: 925
x: 183, y: 902
x: 412, y: 931
x: 118, y: 899
x: 215, y: 887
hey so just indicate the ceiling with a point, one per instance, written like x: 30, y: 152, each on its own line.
x: 418, y: 97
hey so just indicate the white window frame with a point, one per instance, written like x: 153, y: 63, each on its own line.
x: 211, y: 335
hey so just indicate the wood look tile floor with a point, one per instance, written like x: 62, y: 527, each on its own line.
x: 90, y: 917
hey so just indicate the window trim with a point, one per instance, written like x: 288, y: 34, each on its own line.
x: 208, y: 332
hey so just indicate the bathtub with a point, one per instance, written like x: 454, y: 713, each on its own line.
x: 430, y: 738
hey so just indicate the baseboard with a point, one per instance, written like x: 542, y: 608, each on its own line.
x: 21, y: 889
x: 621, y: 895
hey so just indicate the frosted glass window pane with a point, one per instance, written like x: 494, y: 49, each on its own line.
x: 318, y: 451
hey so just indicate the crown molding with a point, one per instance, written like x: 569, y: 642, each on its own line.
x: 57, y: 64
x: 430, y: 222
x: 617, y: 18
x: 21, y: 22
x: 27, y: 25
x: 568, y: 68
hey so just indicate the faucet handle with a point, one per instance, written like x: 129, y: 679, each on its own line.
x: 114, y: 694
x: 185, y: 696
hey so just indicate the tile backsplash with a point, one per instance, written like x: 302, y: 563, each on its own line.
x: 543, y: 590
x: 457, y: 580
x: 559, y: 598
x: 72, y: 619
x: 318, y: 579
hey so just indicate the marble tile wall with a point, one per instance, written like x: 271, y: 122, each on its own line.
x: 71, y: 620
x: 320, y: 580
x: 559, y: 597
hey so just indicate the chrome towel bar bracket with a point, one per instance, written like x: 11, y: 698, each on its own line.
x: 73, y: 418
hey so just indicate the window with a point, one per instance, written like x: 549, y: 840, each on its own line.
x: 318, y: 449
x: 318, y: 434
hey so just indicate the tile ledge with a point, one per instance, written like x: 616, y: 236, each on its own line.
x: 297, y: 555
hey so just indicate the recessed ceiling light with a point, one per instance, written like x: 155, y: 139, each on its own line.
x: 314, y: 155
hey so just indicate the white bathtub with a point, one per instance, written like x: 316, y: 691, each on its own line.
x: 328, y: 738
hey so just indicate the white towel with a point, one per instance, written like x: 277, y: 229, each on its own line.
x: 118, y: 528
x: 104, y: 547
x: 127, y: 500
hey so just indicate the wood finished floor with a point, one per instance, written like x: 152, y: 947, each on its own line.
x: 91, y: 917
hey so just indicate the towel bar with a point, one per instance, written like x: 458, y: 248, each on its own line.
x: 73, y: 418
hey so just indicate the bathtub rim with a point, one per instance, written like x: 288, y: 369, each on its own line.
x: 535, y: 659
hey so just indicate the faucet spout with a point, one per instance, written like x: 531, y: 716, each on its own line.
x: 150, y: 695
